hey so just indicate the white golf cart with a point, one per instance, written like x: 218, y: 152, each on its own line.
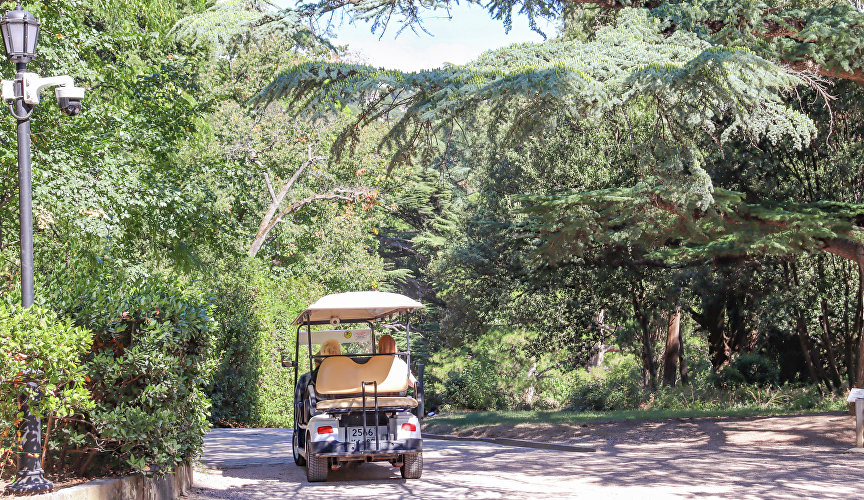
x: 356, y: 406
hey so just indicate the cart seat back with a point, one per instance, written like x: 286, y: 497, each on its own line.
x: 341, y: 375
x: 356, y: 403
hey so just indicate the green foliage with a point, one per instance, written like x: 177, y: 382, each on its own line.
x: 497, y: 372
x: 147, y: 369
x: 229, y: 25
x: 277, y: 303
x: 40, y: 354
x: 568, y: 224
x: 130, y: 15
x: 234, y: 387
x: 40, y: 360
x: 253, y: 310
x: 825, y: 33
x: 693, y: 87
x: 748, y: 383
x: 474, y: 387
x: 616, y: 387
x: 749, y: 369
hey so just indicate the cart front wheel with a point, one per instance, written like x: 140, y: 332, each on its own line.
x: 413, y: 466
x: 298, y: 458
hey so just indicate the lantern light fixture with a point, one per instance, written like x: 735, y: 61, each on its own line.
x: 20, y: 31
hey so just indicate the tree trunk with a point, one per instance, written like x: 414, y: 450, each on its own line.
x: 682, y: 360
x: 859, y: 369
x: 848, y: 325
x: 811, y: 355
x: 752, y: 332
x: 853, y: 334
x: 673, y: 347
x: 529, y: 392
x: 801, y: 329
x: 268, y: 224
x: 602, y: 347
x: 734, y: 321
x: 648, y: 364
x: 824, y: 321
x: 712, y: 320
x: 649, y: 367
x: 596, y: 360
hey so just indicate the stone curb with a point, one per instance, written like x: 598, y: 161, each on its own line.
x: 167, y: 487
x: 522, y: 443
x: 211, y: 466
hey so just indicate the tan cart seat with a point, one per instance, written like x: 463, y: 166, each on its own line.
x: 341, y: 375
x: 357, y: 403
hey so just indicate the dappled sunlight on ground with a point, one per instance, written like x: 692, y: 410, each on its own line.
x: 764, y: 457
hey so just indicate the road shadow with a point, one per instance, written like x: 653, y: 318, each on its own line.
x: 705, y: 458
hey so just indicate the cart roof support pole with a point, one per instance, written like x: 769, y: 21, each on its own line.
x: 408, y: 336
x: 297, y: 355
x: 309, y: 341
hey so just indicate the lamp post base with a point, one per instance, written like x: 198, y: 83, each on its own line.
x: 29, y: 482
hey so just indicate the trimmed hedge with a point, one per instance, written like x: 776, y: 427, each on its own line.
x: 149, y: 363
x: 253, y: 310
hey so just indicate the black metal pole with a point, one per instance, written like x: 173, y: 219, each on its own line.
x: 25, y: 195
x: 30, y: 471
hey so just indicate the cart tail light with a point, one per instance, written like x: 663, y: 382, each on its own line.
x: 409, y: 427
x: 327, y: 429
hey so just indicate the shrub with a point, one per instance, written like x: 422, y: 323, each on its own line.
x: 475, y: 387
x: 234, y: 386
x: 499, y: 372
x: 748, y: 369
x: 146, y: 371
x: 615, y: 387
x: 39, y: 354
x: 253, y: 311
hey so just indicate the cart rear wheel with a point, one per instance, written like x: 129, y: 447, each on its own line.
x: 316, y: 468
x: 298, y: 458
x: 413, y: 466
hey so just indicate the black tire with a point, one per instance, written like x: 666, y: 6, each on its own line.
x: 298, y: 458
x: 413, y: 466
x: 316, y: 468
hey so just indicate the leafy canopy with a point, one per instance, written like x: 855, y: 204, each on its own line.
x: 694, y: 88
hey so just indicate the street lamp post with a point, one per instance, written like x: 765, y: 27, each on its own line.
x: 20, y: 31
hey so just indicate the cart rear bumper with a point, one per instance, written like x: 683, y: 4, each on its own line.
x: 356, y: 449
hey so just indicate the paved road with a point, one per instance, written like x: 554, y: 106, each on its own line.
x: 257, y: 464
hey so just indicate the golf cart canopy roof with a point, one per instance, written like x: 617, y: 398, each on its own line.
x: 351, y: 307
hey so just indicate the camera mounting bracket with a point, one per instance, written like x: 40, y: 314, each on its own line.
x: 33, y: 84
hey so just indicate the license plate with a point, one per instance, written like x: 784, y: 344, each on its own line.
x: 356, y: 433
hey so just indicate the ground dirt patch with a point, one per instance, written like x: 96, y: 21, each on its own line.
x: 820, y: 431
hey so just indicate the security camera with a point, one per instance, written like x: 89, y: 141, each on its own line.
x: 69, y: 99
x: 27, y: 86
